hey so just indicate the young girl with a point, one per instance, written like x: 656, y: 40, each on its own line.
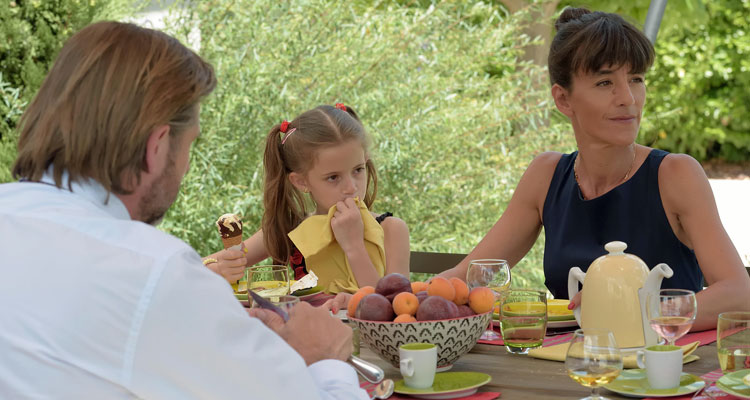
x: 319, y: 184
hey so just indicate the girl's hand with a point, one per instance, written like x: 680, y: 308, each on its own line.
x: 340, y: 302
x: 228, y: 263
x: 347, y: 225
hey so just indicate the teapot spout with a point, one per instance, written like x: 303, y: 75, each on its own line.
x: 652, y: 285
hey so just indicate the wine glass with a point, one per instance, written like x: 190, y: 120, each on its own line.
x: 269, y: 281
x: 671, y: 312
x: 593, y: 359
x: 493, y: 274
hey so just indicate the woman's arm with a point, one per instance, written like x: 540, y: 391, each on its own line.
x: 396, y: 237
x: 518, y: 228
x: 692, y: 213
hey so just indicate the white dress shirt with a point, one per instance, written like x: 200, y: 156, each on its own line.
x: 94, y: 305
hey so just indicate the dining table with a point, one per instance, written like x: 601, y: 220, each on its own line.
x: 518, y: 376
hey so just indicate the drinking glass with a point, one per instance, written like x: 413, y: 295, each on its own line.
x: 523, y: 319
x: 269, y: 281
x: 593, y: 359
x: 493, y: 274
x: 733, y: 341
x: 671, y: 312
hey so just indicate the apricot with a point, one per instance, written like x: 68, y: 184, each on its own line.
x: 405, y: 303
x: 392, y: 284
x: 462, y: 291
x: 417, y: 287
x: 351, y: 309
x: 442, y: 287
x: 481, y: 299
x: 405, y: 318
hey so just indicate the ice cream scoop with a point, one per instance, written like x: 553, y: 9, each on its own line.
x: 230, y: 229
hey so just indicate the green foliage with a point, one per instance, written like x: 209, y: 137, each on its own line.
x: 699, y: 88
x: 31, y: 34
x: 451, y: 141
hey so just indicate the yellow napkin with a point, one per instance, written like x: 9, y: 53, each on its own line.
x: 315, y: 240
x: 558, y: 351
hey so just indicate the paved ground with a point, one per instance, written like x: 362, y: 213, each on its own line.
x: 732, y: 198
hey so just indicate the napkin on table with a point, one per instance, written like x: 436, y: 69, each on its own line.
x: 558, y: 351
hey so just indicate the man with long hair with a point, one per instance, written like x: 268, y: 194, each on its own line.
x: 94, y: 301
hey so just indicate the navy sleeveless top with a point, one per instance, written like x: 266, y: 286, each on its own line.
x: 576, y: 230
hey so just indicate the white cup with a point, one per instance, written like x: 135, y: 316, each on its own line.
x: 663, y: 364
x: 418, y: 364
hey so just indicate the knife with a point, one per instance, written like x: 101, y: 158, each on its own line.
x: 368, y: 370
x: 266, y: 304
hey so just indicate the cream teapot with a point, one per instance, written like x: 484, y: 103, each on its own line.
x: 615, y: 288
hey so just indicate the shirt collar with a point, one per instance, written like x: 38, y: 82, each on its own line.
x: 92, y: 191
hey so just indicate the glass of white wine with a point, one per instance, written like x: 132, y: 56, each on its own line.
x: 493, y: 274
x: 671, y: 312
x: 593, y: 359
x: 269, y: 281
x: 733, y: 341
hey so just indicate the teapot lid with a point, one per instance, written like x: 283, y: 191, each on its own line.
x: 617, y: 256
x: 616, y: 248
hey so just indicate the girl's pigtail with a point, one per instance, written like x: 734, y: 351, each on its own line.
x: 280, y: 200
x: 372, y: 184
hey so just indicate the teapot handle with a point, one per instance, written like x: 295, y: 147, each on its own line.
x: 575, y: 276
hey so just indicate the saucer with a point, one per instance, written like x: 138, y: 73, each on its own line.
x: 634, y: 383
x: 732, y: 383
x: 447, y: 385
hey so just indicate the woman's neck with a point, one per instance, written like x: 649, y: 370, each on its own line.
x: 599, y: 170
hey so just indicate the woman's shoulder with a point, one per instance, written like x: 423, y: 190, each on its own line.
x: 544, y: 164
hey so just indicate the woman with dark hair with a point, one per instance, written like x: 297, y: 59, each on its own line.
x: 612, y: 188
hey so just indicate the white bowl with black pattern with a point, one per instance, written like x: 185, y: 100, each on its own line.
x: 453, y: 337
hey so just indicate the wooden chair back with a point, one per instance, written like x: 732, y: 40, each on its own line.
x: 433, y: 263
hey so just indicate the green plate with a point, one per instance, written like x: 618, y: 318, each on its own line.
x: 447, y: 385
x: 634, y: 383
x: 307, y: 292
x: 241, y: 296
x: 732, y: 383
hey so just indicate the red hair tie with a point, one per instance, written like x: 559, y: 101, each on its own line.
x: 341, y: 106
x: 283, y: 128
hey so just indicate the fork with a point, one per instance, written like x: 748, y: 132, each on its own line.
x: 704, y: 390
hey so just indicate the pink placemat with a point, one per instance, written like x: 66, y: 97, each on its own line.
x: 713, y: 391
x: 548, y: 341
x: 705, y: 337
x: 369, y: 387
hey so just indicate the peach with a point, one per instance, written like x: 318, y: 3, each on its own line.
x: 405, y: 318
x: 405, y: 303
x: 481, y: 299
x: 436, y: 307
x: 462, y: 291
x: 375, y: 307
x: 442, y: 287
x: 417, y: 287
x: 351, y: 309
x: 392, y: 284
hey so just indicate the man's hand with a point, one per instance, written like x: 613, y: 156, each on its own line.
x: 347, y: 225
x: 315, y: 334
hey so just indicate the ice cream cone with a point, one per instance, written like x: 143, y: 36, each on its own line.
x: 230, y: 229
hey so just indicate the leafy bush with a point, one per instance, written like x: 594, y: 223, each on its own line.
x: 699, y: 87
x: 31, y: 34
x: 451, y: 138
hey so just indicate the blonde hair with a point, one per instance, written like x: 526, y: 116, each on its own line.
x: 285, y: 206
x: 111, y: 85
